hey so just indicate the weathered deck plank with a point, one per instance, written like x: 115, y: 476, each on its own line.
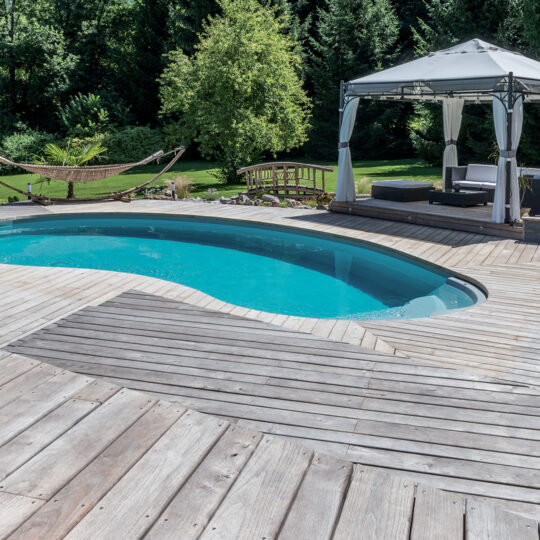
x: 404, y: 407
x: 369, y: 407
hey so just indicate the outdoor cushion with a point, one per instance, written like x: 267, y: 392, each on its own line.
x: 401, y: 190
x: 402, y: 184
x: 482, y: 173
x: 475, y: 185
x: 529, y: 171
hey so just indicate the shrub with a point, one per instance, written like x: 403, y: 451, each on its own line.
x: 85, y: 116
x: 132, y: 144
x: 125, y: 145
x: 211, y: 194
x: 182, y: 186
x: 23, y: 147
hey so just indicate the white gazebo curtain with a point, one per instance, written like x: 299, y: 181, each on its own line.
x: 345, y: 190
x: 452, y: 114
x: 500, y: 120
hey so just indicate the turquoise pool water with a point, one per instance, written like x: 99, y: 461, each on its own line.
x: 270, y: 269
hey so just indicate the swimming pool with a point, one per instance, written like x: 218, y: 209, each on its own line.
x: 266, y: 268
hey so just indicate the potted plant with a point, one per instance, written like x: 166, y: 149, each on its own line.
x: 524, y: 187
x: 529, y: 185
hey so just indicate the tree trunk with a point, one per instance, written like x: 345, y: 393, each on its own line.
x: 70, y: 194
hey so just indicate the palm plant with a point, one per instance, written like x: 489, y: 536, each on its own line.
x: 71, y: 157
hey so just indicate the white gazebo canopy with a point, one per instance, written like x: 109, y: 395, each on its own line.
x: 472, y: 72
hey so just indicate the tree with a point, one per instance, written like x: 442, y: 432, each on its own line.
x: 239, y: 96
x: 354, y: 37
x: 35, y: 65
x: 446, y: 23
x: 186, y: 22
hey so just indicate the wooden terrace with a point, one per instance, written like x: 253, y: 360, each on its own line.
x: 422, y: 428
x: 475, y: 219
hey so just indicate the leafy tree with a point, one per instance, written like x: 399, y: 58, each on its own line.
x: 35, y: 65
x: 149, y: 42
x: 186, y: 22
x: 239, y: 96
x: 446, y: 23
x: 354, y: 37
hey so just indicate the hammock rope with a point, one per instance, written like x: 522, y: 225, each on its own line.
x: 97, y: 172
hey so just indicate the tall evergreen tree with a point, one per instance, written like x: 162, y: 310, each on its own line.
x: 186, y: 22
x: 354, y: 37
x: 151, y: 40
x: 448, y: 22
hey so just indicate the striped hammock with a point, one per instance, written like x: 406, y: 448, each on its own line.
x: 83, y: 174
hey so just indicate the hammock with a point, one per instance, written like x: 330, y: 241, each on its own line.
x: 79, y: 174
x: 90, y: 174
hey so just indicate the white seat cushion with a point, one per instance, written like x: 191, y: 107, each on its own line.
x: 468, y: 184
x: 482, y: 173
x: 529, y: 171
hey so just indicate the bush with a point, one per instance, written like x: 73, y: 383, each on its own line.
x: 182, y: 186
x: 211, y: 194
x: 132, y: 144
x: 87, y: 115
x: 23, y: 147
x: 125, y: 145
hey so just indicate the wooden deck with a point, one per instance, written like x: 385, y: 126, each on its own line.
x: 447, y: 428
x: 81, y: 458
x: 474, y: 432
x: 476, y: 219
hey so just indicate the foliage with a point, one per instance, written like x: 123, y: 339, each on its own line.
x: 182, y: 186
x: 52, y: 52
x: 125, y: 145
x: 354, y: 38
x: 132, y: 143
x: 71, y: 156
x: 23, y: 146
x: 35, y: 64
x: 239, y: 96
x: 84, y: 116
x: 211, y: 194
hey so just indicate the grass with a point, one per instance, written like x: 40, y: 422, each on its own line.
x: 201, y: 175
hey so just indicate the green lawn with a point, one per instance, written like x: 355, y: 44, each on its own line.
x: 200, y: 175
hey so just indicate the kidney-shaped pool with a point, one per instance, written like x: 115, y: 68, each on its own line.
x: 266, y: 268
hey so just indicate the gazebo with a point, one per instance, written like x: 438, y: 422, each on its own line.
x: 471, y: 72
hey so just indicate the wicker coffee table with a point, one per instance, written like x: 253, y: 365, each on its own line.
x: 462, y: 197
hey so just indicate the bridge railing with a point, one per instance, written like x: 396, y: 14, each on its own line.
x: 286, y: 179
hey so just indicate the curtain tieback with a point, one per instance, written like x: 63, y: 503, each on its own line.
x: 450, y: 142
x: 343, y: 145
x: 508, y: 154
